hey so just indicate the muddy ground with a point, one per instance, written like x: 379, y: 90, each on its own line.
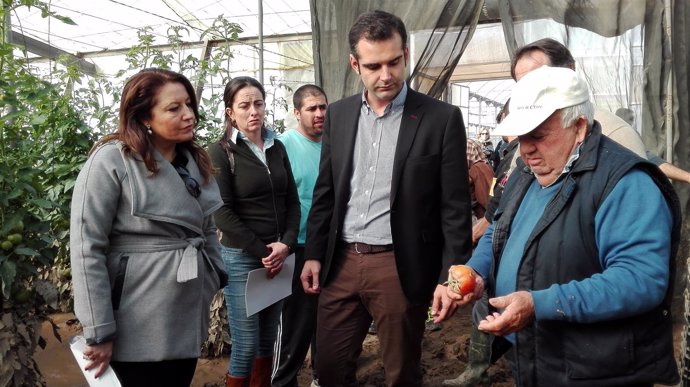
x: 444, y: 357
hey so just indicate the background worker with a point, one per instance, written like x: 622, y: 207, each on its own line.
x: 298, y: 318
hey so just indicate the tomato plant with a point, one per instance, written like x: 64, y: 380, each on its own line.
x: 43, y: 142
x: 47, y: 126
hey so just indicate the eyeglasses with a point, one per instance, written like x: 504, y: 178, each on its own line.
x: 190, y: 183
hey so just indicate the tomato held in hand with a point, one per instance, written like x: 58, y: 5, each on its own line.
x: 461, y: 279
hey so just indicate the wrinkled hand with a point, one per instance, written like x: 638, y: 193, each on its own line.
x: 99, y: 356
x: 274, y: 261
x: 470, y: 297
x: 518, y: 314
x: 442, y: 307
x: 310, y: 276
x: 479, y: 229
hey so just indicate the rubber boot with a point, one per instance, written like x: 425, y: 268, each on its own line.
x: 261, y: 372
x: 235, y: 381
x: 478, y: 361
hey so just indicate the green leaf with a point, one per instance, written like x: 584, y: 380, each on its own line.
x: 27, y: 251
x: 8, y: 271
x: 39, y: 120
x: 69, y: 185
x: 42, y: 203
x: 29, y: 188
x: 65, y: 19
x: 14, y: 194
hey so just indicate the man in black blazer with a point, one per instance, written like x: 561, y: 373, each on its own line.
x: 390, y: 212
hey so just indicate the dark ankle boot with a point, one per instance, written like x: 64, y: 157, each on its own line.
x: 235, y: 381
x: 478, y: 361
x: 261, y: 372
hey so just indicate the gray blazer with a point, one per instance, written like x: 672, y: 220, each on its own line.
x: 144, y: 256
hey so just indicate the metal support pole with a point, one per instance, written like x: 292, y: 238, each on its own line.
x: 205, y: 55
x: 261, y: 41
x: 669, y: 85
x: 7, y: 28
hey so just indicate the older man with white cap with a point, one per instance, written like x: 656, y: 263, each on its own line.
x: 579, y: 261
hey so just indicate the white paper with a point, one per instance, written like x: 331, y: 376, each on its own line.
x: 77, y: 344
x: 262, y: 292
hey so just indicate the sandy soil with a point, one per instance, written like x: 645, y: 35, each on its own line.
x: 444, y: 357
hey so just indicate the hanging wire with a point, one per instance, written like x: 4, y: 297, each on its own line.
x: 147, y: 12
x: 38, y: 36
x: 292, y: 10
x: 181, y: 17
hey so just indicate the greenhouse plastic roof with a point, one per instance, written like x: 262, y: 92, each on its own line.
x: 103, y: 25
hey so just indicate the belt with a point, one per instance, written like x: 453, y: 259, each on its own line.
x: 363, y: 248
x: 188, y: 267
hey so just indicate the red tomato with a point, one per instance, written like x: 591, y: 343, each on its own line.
x: 461, y: 279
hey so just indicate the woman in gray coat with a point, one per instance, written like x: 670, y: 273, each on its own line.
x: 144, y: 250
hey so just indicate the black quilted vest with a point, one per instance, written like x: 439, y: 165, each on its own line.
x: 562, y: 248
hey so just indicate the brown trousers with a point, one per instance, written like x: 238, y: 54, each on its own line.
x: 367, y: 286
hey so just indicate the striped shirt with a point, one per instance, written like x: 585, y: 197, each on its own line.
x: 367, y: 218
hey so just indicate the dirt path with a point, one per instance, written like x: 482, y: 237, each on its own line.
x: 444, y: 357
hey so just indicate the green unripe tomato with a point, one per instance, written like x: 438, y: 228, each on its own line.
x: 15, y: 238
x: 6, y: 245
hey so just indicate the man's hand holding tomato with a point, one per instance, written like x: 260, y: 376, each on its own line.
x: 461, y: 281
x: 470, y: 293
x: 518, y: 307
x: 442, y: 306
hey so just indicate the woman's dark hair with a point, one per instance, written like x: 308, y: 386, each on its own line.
x: 138, y: 98
x: 231, y: 89
x: 375, y: 26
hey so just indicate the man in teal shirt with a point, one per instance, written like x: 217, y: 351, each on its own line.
x: 298, y: 319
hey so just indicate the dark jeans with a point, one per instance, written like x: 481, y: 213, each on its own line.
x: 295, y: 331
x: 365, y: 286
x: 173, y: 373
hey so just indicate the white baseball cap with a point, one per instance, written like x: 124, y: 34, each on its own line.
x: 537, y: 95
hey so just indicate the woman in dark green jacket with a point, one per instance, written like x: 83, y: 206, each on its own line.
x: 259, y: 221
